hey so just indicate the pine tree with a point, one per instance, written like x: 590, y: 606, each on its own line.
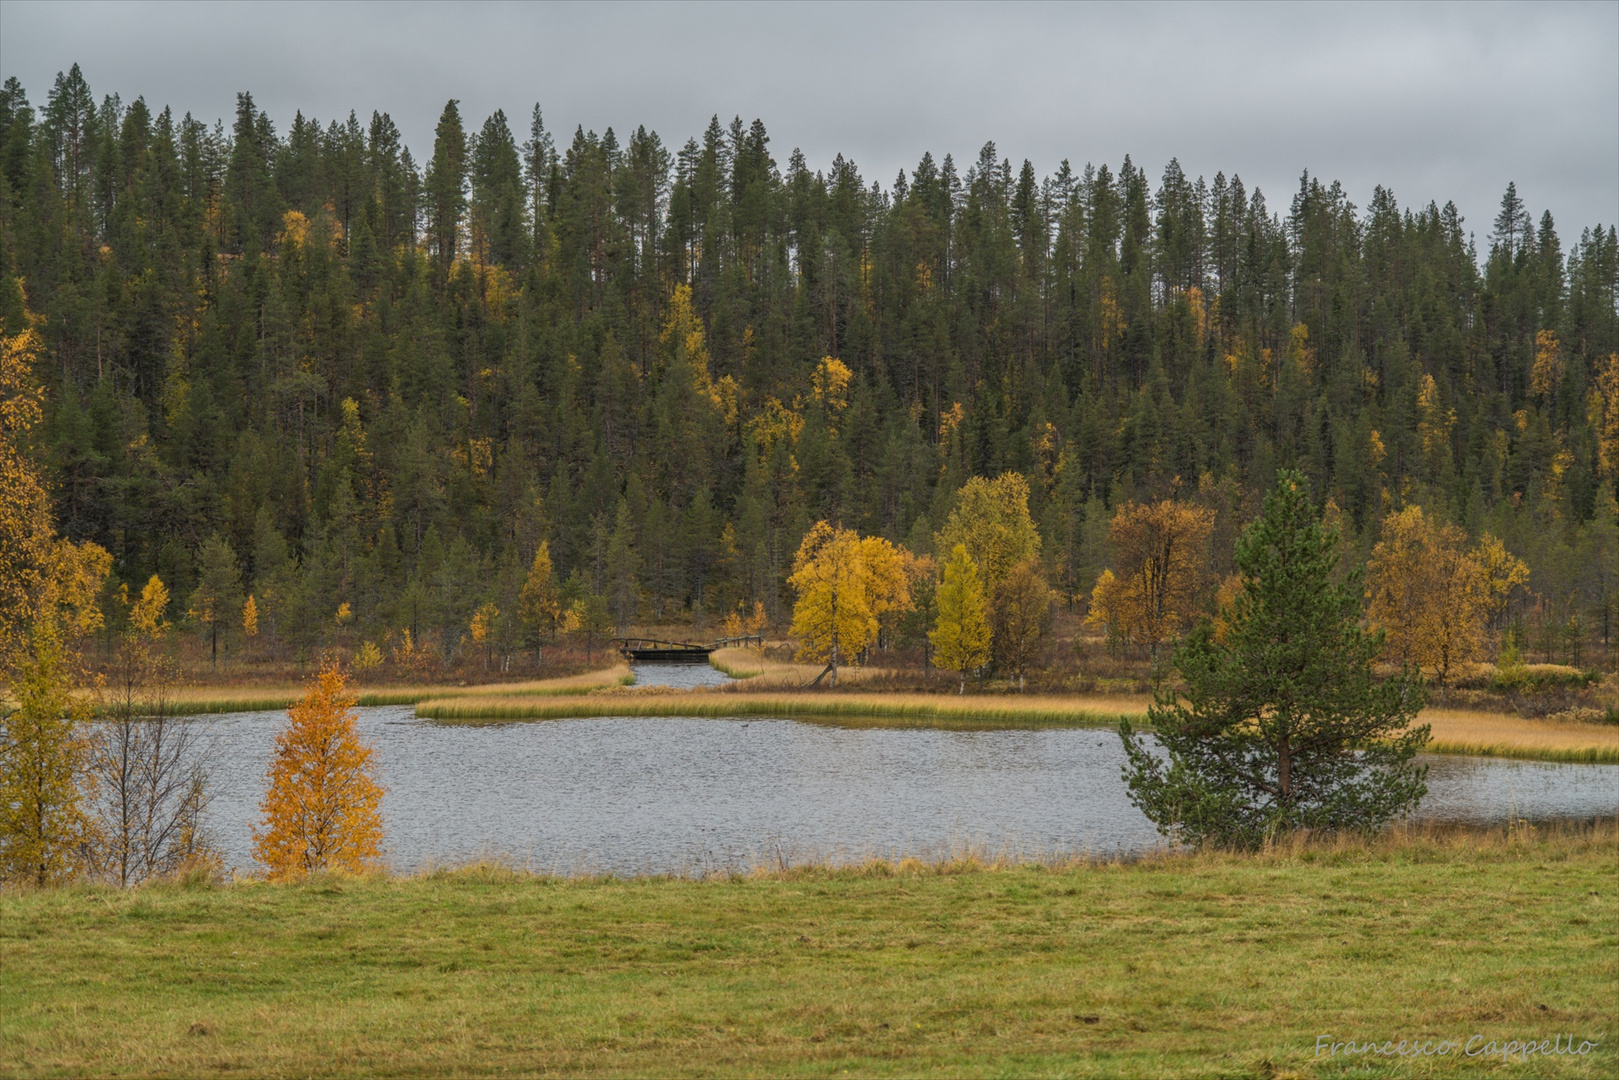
x: 218, y: 594
x: 445, y: 184
x: 1283, y: 725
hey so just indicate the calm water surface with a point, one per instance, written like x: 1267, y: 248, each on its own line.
x: 682, y: 795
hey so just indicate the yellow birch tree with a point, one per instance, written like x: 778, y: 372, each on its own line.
x: 44, y: 829
x: 961, y: 636
x: 1433, y: 594
x: 845, y: 584
x: 991, y: 520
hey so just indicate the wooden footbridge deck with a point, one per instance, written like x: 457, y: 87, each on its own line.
x: 653, y: 651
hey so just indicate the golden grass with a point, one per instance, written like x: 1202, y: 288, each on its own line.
x: 1454, y: 731
x: 189, y: 701
x: 1457, y: 731
x: 760, y: 671
x: 773, y: 688
x: 896, y: 710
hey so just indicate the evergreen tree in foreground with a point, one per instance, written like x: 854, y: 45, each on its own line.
x: 1283, y: 725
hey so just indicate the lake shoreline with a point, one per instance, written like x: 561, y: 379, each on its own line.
x: 774, y: 689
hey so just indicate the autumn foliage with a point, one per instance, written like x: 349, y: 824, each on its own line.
x: 1433, y: 594
x: 1152, y: 592
x: 323, y: 807
x: 846, y: 583
x: 961, y: 638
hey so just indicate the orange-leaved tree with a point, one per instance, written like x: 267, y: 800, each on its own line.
x: 323, y: 809
x: 1161, y: 565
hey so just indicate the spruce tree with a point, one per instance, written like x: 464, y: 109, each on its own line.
x: 1283, y: 725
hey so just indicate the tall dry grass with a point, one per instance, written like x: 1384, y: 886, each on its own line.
x: 189, y: 701
x: 1460, y: 731
x: 931, y: 710
x: 767, y: 672
x: 1455, y: 731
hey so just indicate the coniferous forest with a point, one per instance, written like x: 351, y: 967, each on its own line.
x: 366, y: 384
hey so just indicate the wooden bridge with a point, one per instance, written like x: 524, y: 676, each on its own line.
x: 653, y: 651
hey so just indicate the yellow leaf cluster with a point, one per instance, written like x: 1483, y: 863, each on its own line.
x: 961, y: 635
x: 1547, y: 371
x: 294, y: 230
x: 845, y: 583
x: 739, y: 625
x: 1434, y: 421
x: 322, y: 811
x: 482, y: 627
x: 369, y: 658
x: 40, y: 574
x: 539, y: 608
x: 1602, y: 407
x: 146, y: 617
x: 991, y: 519
x: 1298, y: 348
x: 683, y: 331
x: 829, y: 383
x: 774, y: 424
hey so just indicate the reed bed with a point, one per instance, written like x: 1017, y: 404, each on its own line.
x: 1457, y: 731
x: 761, y: 671
x: 889, y: 710
x: 1454, y: 731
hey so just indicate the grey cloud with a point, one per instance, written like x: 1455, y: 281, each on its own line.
x: 1437, y: 102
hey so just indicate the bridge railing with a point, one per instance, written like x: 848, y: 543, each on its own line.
x: 655, y: 643
x: 725, y: 643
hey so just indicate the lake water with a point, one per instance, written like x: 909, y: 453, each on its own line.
x: 686, y: 795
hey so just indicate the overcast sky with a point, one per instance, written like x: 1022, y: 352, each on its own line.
x: 1436, y: 102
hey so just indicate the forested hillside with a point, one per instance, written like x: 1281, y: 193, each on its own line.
x: 373, y: 382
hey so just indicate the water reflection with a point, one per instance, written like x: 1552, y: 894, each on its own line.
x: 678, y: 795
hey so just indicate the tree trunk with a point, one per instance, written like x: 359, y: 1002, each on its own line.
x: 1284, y: 771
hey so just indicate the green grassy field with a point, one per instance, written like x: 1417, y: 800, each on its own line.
x: 1177, y: 966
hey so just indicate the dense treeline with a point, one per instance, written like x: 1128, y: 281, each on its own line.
x: 344, y: 381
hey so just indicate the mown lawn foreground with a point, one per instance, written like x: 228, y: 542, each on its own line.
x: 1176, y: 966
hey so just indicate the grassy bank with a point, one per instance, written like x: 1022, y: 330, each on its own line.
x: 897, y: 710
x: 1500, y: 735
x: 1454, y: 731
x: 1177, y: 966
x: 192, y: 701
